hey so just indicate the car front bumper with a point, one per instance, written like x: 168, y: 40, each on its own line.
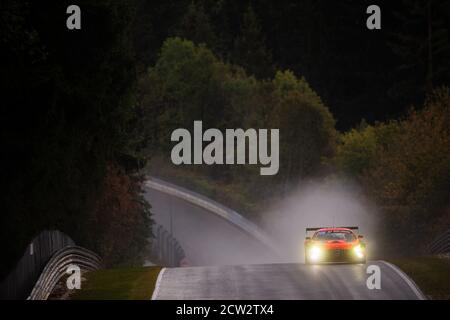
x: 335, y: 256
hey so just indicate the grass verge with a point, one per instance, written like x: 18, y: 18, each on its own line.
x: 431, y: 274
x: 118, y: 284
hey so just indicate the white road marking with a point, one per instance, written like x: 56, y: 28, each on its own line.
x: 407, y: 279
x: 158, y: 284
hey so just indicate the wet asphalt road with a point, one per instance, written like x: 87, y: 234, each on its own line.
x: 282, y: 282
x: 206, y: 238
x: 225, y: 263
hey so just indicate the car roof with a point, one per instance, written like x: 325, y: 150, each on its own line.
x: 335, y: 229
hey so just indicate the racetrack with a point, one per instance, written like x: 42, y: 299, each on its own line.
x: 206, y: 238
x: 283, y: 282
x: 227, y: 263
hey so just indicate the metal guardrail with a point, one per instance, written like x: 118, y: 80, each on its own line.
x: 18, y: 284
x: 441, y: 244
x: 57, y: 266
x: 212, y: 206
x: 166, y: 250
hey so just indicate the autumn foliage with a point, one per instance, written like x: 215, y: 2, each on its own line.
x: 405, y: 167
x: 118, y: 226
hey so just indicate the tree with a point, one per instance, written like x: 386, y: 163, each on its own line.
x: 195, y: 26
x: 250, y: 50
x: 404, y: 166
x: 357, y: 149
x: 307, y: 127
x: 410, y: 175
x: 422, y: 44
x: 187, y: 83
x: 67, y: 114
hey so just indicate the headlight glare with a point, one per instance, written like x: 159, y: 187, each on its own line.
x: 315, y: 253
x: 359, y: 252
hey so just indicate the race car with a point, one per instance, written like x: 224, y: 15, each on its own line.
x: 334, y: 245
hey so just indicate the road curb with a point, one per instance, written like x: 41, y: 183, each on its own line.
x: 410, y: 282
x: 158, y: 284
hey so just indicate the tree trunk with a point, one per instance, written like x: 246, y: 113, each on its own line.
x: 429, y: 81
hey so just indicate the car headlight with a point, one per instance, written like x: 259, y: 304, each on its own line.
x: 315, y: 253
x: 359, y: 251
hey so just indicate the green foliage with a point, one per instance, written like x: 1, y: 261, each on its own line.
x: 405, y: 167
x: 414, y: 170
x: 306, y: 127
x: 357, y: 149
x: 188, y: 82
x: 195, y: 26
x: 189, y: 78
x: 356, y: 75
x: 250, y: 50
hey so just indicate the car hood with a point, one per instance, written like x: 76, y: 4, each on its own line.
x: 335, y: 244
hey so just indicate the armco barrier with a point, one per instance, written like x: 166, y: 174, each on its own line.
x: 56, y: 268
x: 18, y: 284
x: 441, y: 244
x: 165, y: 248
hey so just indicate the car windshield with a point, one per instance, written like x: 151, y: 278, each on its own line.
x: 333, y: 235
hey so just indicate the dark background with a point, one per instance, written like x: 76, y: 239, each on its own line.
x: 71, y: 146
x: 359, y: 73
